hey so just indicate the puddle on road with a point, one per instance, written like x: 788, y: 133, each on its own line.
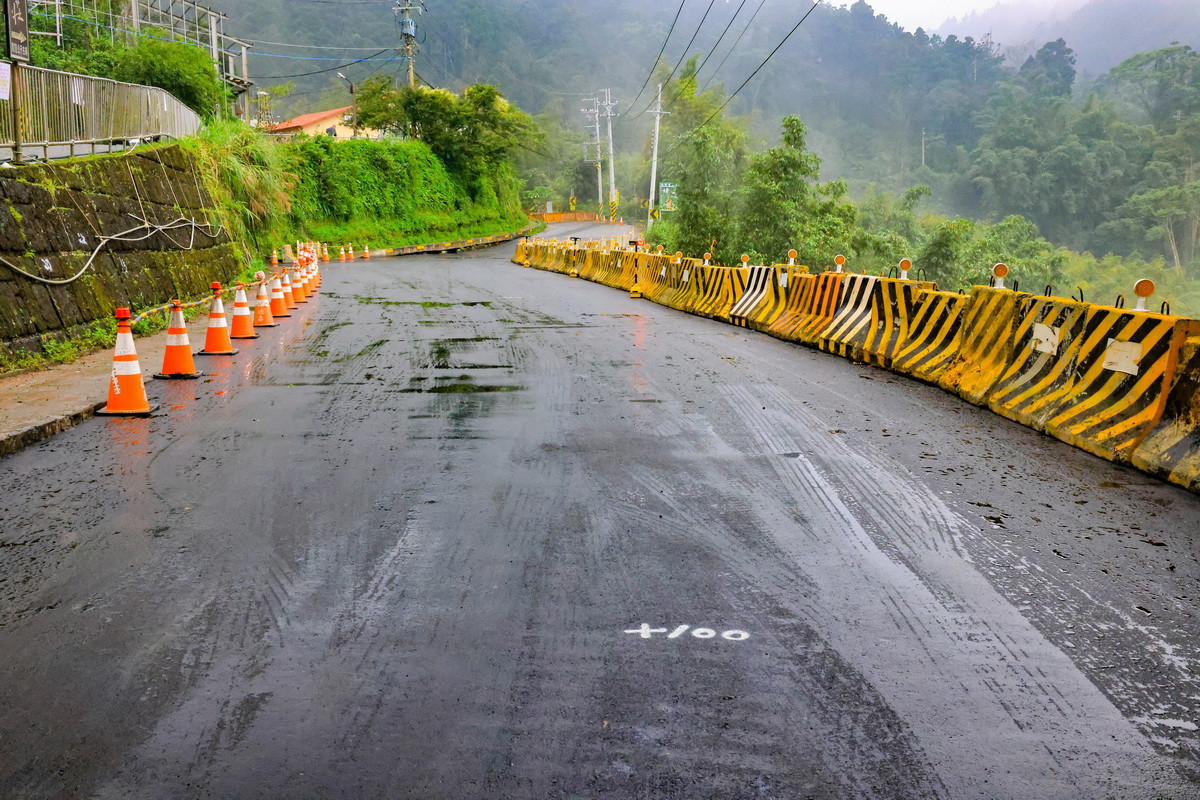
x: 383, y: 301
x: 463, y: 384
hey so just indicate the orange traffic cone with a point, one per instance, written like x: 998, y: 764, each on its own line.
x: 242, y: 324
x: 350, y: 251
x: 310, y: 279
x: 325, y: 250
x: 126, y: 392
x: 298, y: 290
x: 279, y: 306
x: 177, y: 358
x: 288, y: 297
x: 216, y: 339
x: 262, y: 307
x: 275, y: 257
x: 366, y: 252
x: 342, y: 253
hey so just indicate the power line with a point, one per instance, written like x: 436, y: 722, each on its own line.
x: 328, y: 69
x: 729, y: 99
x: 661, y: 50
x: 721, y: 38
x: 734, y: 48
x: 713, y: 49
x: 683, y: 55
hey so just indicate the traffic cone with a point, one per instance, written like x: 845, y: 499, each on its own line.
x: 262, y: 308
x: 298, y: 286
x: 288, y: 297
x: 242, y: 324
x: 275, y: 257
x: 279, y: 306
x: 126, y: 392
x: 366, y: 252
x: 177, y: 358
x: 350, y: 251
x: 342, y: 253
x: 325, y: 250
x: 216, y: 338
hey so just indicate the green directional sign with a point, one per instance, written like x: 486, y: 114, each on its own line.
x: 666, y: 194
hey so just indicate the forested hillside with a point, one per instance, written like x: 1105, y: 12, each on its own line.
x: 1106, y: 166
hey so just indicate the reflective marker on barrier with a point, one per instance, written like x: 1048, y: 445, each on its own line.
x: 999, y: 272
x: 1046, y: 339
x: 1123, y: 356
x: 840, y: 260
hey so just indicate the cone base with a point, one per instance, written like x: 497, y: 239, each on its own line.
x: 219, y: 353
x: 252, y: 336
x: 266, y: 325
x: 178, y: 376
x: 104, y: 412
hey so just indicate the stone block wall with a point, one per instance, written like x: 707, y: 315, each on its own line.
x: 53, y: 215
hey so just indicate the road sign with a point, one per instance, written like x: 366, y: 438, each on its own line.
x: 654, y: 213
x: 572, y: 203
x: 16, y: 12
x: 666, y: 193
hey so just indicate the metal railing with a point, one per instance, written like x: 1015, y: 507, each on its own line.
x: 63, y: 115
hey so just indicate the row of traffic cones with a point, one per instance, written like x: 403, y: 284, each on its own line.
x: 289, y: 288
x: 346, y: 253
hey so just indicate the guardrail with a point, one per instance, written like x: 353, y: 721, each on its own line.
x: 64, y: 115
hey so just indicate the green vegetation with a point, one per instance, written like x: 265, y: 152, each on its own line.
x: 184, y: 70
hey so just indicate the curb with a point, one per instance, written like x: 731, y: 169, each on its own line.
x: 18, y: 440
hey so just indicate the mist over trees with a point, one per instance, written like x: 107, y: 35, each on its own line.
x: 1102, y: 164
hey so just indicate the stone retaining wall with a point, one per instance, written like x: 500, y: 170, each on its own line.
x: 53, y: 215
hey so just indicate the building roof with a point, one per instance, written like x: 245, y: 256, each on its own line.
x: 304, y: 120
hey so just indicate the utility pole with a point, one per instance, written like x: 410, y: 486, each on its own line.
x: 408, y: 27
x: 609, y: 105
x: 658, y: 115
x: 593, y: 117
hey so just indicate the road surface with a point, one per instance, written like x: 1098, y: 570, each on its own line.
x: 465, y: 530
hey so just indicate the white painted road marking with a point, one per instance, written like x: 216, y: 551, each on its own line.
x: 646, y: 632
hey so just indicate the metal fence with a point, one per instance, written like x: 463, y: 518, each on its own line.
x: 51, y: 114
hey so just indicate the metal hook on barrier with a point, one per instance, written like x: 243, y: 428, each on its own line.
x: 1165, y: 308
x: 893, y: 272
x: 1080, y: 288
x: 921, y: 274
x: 1049, y: 290
x: 1120, y: 301
x: 1016, y: 285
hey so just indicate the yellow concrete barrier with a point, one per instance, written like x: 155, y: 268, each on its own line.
x: 1172, y: 448
x: 852, y: 316
x: 797, y: 307
x: 1122, y: 374
x: 986, y: 343
x: 893, y: 309
x: 933, y: 337
x: 1041, y: 372
x: 825, y: 301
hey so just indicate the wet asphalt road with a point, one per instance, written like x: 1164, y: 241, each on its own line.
x: 440, y: 536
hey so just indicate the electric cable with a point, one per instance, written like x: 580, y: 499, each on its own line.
x: 732, y: 49
x: 683, y: 55
x: 729, y: 99
x: 661, y: 50
x: 713, y: 49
